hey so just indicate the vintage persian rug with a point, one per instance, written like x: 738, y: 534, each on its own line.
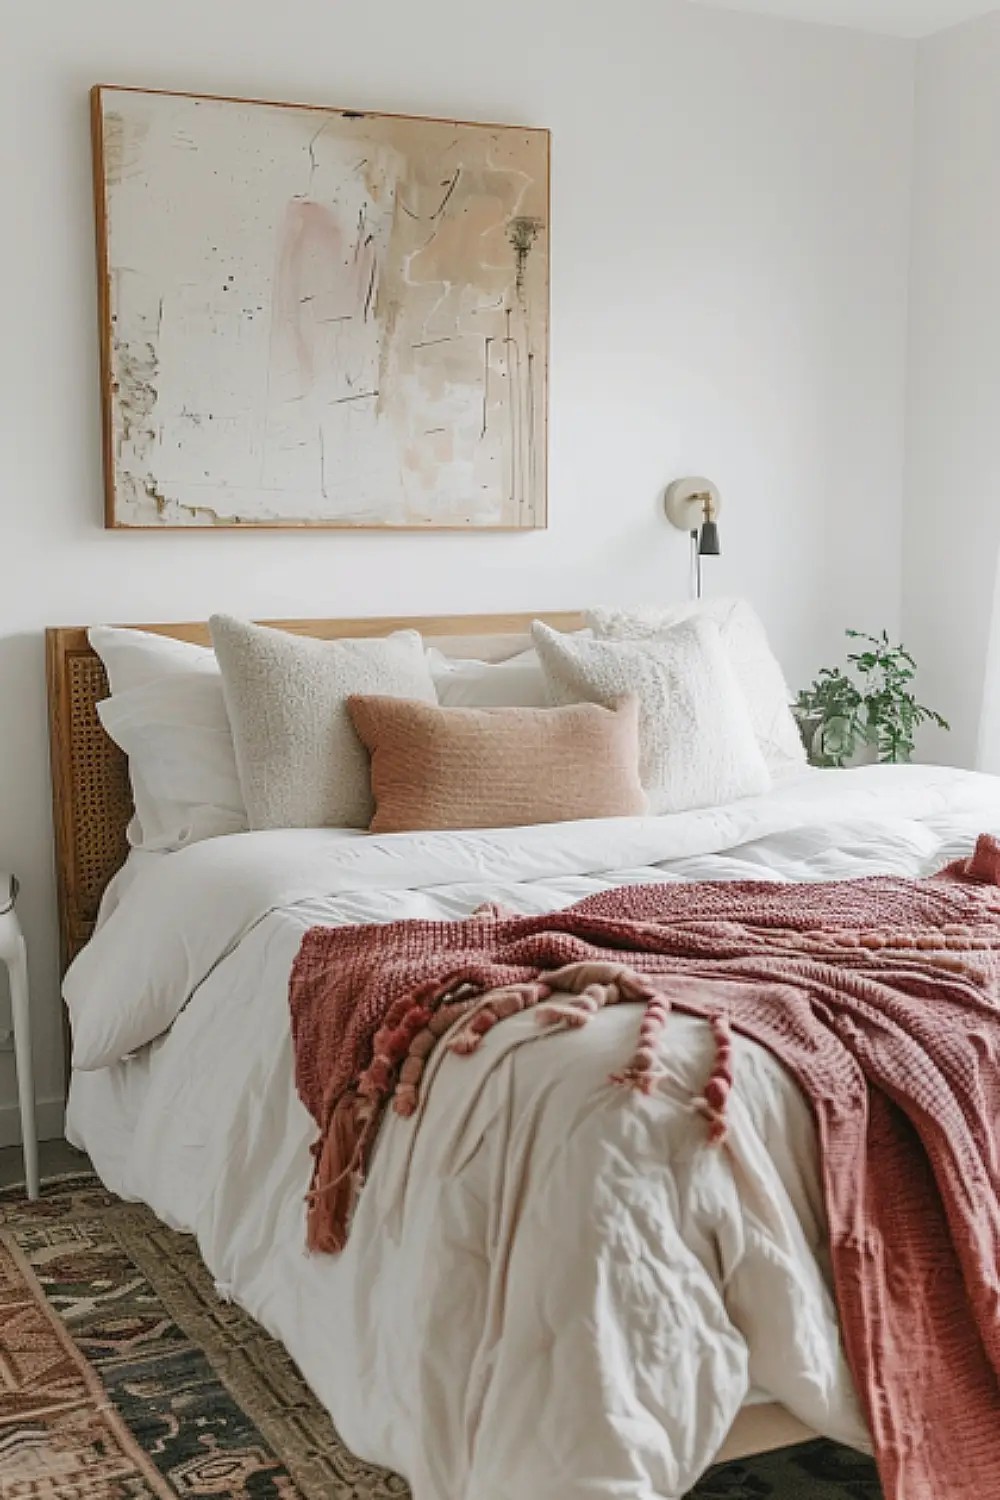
x: 122, y: 1377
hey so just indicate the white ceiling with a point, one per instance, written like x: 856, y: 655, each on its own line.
x: 913, y: 18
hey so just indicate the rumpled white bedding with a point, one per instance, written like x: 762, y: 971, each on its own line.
x: 552, y: 1287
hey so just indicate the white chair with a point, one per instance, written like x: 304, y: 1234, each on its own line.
x: 14, y: 956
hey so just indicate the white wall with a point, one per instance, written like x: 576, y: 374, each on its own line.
x: 729, y: 262
x: 951, y: 536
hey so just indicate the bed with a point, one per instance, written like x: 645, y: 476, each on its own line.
x: 203, y: 1122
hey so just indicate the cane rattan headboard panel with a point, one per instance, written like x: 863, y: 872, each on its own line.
x: 92, y: 800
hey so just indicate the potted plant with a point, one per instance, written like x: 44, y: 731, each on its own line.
x: 869, y: 705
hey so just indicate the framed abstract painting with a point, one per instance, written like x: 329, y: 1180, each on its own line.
x: 319, y: 317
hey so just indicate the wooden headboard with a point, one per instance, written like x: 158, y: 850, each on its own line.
x: 91, y: 797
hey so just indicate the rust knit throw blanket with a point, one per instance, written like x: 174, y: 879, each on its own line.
x: 881, y: 997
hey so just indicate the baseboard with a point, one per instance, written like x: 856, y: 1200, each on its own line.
x: 49, y: 1114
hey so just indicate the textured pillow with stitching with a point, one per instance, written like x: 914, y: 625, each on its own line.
x: 435, y: 767
x: 757, y: 669
x: 300, y: 763
x: 697, y: 746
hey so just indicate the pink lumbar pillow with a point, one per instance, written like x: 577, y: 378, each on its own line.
x: 498, y: 767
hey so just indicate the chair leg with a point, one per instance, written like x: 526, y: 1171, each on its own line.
x: 17, y: 967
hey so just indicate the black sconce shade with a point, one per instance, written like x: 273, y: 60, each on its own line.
x: 708, y: 542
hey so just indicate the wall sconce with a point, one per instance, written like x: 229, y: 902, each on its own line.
x: 693, y: 505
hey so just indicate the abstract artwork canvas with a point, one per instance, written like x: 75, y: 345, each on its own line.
x: 320, y: 317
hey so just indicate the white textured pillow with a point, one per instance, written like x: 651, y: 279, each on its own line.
x: 757, y: 670
x: 167, y: 712
x: 697, y: 746
x: 300, y: 763
x: 461, y: 682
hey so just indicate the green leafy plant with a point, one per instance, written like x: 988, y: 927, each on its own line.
x: 869, y: 703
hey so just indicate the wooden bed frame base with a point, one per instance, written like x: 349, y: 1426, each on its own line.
x: 92, y: 805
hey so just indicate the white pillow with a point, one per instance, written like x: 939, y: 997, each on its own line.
x: 176, y: 735
x: 134, y: 657
x: 757, y: 670
x: 518, y: 682
x: 300, y: 763
x: 697, y: 745
x: 168, y: 714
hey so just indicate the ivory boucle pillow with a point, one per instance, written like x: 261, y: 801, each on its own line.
x: 300, y: 763
x: 757, y: 669
x: 498, y: 767
x: 697, y: 746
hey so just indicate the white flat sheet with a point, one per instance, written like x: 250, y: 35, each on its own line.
x: 551, y: 1288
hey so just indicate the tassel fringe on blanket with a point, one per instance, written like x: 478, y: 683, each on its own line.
x: 880, y: 997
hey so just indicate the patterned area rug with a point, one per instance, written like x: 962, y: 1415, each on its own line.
x: 122, y: 1377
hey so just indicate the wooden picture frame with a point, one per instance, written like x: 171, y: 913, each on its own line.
x: 317, y: 317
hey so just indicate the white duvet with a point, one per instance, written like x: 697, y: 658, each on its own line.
x: 552, y: 1287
